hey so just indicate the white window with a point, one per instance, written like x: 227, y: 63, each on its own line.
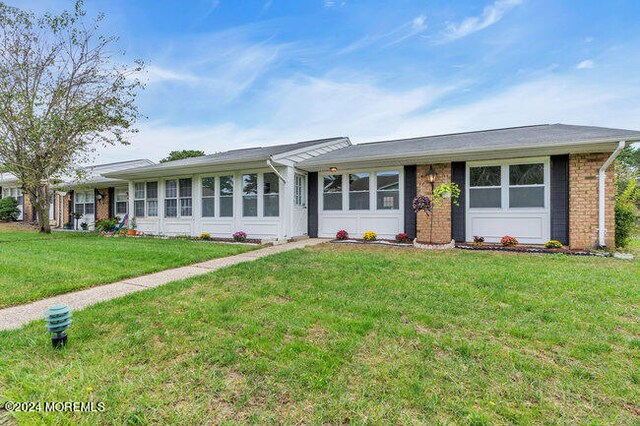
x: 84, y: 202
x: 388, y: 190
x: 122, y: 201
x: 485, y: 187
x: 186, y: 202
x: 332, y: 192
x: 208, y: 196
x: 226, y: 196
x: 359, y: 191
x: 152, y: 199
x: 139, y: 199
x: 300, y: 190
x: 507, y: 186
x: 526, y: 185
x: 250, y: 195
x: 271, y: 196
x: 171, y: 198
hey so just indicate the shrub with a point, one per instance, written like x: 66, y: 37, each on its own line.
x: 205, y: 236
x: 403, y: 238
x: 478, y: 240
x: 370, y: 236
x: 107, y: 225
x: 422, y: 202
x: 9, y: 209
x: 342, y: 235
x: 509, y: 241
x: 240, y: 236
x: 625, y: 217
x: 553, y: 244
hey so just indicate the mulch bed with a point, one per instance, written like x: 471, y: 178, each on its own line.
x: 380, y: 242
x: 231, y: 240
x: 532, y: 249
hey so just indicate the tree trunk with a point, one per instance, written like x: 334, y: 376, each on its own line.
x: 41, y: 204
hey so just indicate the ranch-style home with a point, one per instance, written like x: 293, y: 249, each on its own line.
x: 536, y: 183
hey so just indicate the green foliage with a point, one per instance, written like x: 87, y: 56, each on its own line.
x: 447, y: 190
x: 9, y: 209
x: 107, y: 225
x: 182, y: 154
x: 553, y: 244
x: 625, y: 211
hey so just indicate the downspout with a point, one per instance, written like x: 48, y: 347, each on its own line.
x: 270, y: 164
x: 602, y: 230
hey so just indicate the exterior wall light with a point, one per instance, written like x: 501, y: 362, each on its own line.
x: 333, y: 169
x: 99, y: 196
x: 431, y: 176
x: 58, y: 319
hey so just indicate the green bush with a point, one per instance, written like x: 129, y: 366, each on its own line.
x: 9, y: 209
x: 625, y: 222
x: 107, y: 225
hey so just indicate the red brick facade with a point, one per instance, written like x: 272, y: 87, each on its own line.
x: 441, y: 232
x: 583, y: 200
x: 27, y: 210
x: 102, y: 205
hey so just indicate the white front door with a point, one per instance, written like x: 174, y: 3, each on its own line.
x: 300, y: 210
x: 84, y: 204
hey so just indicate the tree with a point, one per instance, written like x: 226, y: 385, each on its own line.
x: 62, y: 94
x: 182, y: 154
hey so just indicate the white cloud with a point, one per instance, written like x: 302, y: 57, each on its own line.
x: 490, y: 15
x: 155, y: 74
x: 407, y: 30
x: 587, y: 63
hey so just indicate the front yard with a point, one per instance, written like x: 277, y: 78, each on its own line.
x: 34, y: 266
x: 351, y: 334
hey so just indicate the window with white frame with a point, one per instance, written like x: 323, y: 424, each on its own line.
x: 359, y: 191
x: 171, y: 198
x: 485, y: 187
x: 186, y: 201
x: 15, y: 193
x: 208, y: 196
x: 507, y: 186
x: 84, y: 202
x: 138, y: 199
x: 332, y: 192
x: 300, y: 190
x: 121, y: 201
x: 526, y: 185
x: 250, y: 195
x: 152, y: 199
x: 271, y: 195
x: 388, y: 190
x: 226, y: 196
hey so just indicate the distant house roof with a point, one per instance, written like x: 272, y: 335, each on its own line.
x: 544, y: 139
x: 242, y: 156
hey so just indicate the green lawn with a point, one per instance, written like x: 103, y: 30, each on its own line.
x: 339, y: 334
x: 34, y: 266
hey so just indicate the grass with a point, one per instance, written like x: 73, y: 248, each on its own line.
x: 351, y: 334
x: 34, y: 266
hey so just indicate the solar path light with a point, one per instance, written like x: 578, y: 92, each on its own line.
x: 58, y: 319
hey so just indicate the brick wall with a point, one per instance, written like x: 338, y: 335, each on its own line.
x: 102, y: 206
x: 442, y: 211
x: 27, y: 211
x: 66, y: 209
x: 583, y: 200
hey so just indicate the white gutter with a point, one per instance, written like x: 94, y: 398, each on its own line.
x: 270, y: 164
x: 602, y: 230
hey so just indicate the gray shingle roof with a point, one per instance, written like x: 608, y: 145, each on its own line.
x: 536, y: 136
x: 243, y: 155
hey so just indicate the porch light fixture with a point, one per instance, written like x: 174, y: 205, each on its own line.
x: 58, y: 319
x: 99, y: 196
x: 333, y: 169
x: 431, y: 176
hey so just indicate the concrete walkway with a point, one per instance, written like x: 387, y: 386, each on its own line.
x: 16, y: 316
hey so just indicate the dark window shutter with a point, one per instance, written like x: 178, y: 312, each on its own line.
x: 312, y: 208
x: 458, y: 225
x: 560, y: 198
x: 112, y: 200
x: 409, y: 194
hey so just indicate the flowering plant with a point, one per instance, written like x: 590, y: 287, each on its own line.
x: 342, y: 235
x: 553, y: 244
x: 447, y: 190
x: 422, y: 202
x: 370, y: 236
x: 509, y: 241
x: 240, y: 236
x: 403, y: 238
x: 205, y: 236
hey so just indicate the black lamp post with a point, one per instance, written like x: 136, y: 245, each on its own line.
x: 431, y: 177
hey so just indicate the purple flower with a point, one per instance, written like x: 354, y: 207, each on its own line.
x: 422, y: 202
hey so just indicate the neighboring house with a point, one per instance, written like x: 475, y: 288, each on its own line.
x: 534, y: 182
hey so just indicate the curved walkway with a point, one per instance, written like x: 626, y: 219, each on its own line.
x: 16, y: 316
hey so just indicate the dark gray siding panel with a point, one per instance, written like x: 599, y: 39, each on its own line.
x: 312, y: 208
x: 458, y: 225
x: 112, y: 198
x: 409, y: 194
x: 560, y: 198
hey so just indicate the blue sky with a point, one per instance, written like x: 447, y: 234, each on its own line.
x: 225, y: 74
